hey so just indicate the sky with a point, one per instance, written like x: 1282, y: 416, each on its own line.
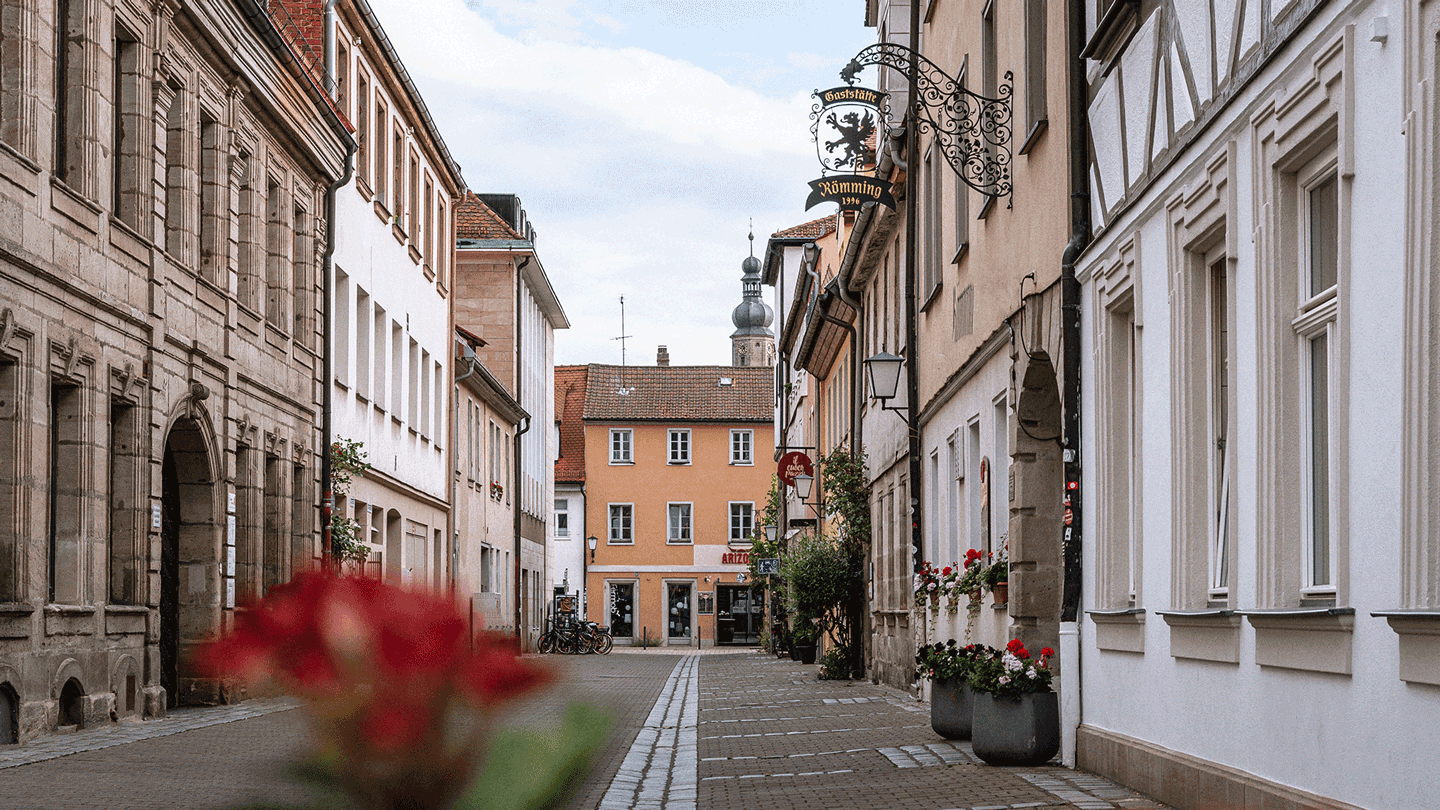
x: 642, y: 137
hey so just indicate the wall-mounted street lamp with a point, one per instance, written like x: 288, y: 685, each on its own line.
x: 804, y: 484
x: 770, y: 530
x: 884, y: 370
x: 592, y: 541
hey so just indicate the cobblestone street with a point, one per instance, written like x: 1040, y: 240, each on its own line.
x: 717, y: 730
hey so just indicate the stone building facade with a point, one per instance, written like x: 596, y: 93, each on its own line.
x: 166, y: 169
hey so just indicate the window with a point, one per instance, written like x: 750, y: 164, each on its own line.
x: 412, y: 203
x: 429, y: 242
x: 71, y: 39
x: 127, y: 126
x: 214, y: 233
x: 412, y: 415
x: 67, y: 556
x: 741, y: 443
x: 442, y: 235
x: 398, y: 382
x: 680, y: 447
x: 12, y: 415
x: 342, y: 74
x: 989, y: 74
x: 933, y: 231
x: 620, y: 447
x: 250, y: 279
x: 622, y: 523
x: 742, y: 521
x: 176, y: 177
x: 562, y: 518
x: 1035, y: 114
x: 1314, y: 323
x: 382, y: 134
x: 379, y: 334
x: 362, y: 128
x: 678, y: 525
x: 1220, y: 387
x: 1119, y: 516
x: 275, y: 257
x: 397, y: 188
x: 300, y: 253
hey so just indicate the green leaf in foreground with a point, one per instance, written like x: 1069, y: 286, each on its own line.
x: 530, y: 769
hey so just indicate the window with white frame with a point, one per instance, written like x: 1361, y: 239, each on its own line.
x: 1318, y: 198
x: 620, y: 446
x: 741, y: 446
x: 562, y: 518
x: 679, y: 446
x: 622, y: 523
x: 742, y: 521
x: 678, y: 525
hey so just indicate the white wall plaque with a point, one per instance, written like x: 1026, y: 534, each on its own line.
x: 230, y: 593
x: 154, y: 515
x: 230, y: 530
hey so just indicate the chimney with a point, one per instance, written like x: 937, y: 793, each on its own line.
x: 662, y: 357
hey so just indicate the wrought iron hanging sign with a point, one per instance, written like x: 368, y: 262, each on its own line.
x: 972, y: 131
x: 844, y: 124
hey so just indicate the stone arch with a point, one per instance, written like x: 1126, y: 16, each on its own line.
x: 394, y: 542
x: 67, y: 693
x: 9, y: 712
x: 1036, y: 506
x: 190, y: 575
x: 126, y: 684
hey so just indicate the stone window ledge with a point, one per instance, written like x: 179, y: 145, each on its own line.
x: 16, y: 608
x: 1121, y: 630
x: 1419, y: 631
x: 1207, y: 634
x: 126, y: 619
x: 1313, y: 639
x: 69, y: 620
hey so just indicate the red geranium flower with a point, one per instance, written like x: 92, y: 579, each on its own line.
x: 1046, y: 651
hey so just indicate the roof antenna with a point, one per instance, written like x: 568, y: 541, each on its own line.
x: 752, y: 237
x: 623, y: 390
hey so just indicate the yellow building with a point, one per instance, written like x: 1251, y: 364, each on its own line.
x: 678, y: 461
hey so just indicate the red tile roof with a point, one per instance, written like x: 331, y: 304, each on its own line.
x: 570, y: 405
x: 814, y: 229
x: 475, y: 220
x: 680, y: 394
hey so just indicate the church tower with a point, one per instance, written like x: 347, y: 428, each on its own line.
x: 752, y: 343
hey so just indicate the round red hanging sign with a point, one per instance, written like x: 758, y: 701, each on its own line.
x: 792, y: 464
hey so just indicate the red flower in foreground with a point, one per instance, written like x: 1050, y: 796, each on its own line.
x: 1015, y: 646
x: 1046, y: 652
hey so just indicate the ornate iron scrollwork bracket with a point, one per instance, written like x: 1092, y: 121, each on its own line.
x: 973, y: 131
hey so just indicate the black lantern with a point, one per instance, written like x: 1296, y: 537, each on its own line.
x: 884, y: 371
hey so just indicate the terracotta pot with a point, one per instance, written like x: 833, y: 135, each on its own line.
x: 952, y: 707
x: 1016, y: 731
x: 1002, y: 593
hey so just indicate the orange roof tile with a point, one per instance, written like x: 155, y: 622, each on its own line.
x: 570, y: 406
x: 680, y: 394
x: 814, y: 229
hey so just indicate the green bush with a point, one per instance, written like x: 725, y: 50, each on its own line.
x: 835, y: 664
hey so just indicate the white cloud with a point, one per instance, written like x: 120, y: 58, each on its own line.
x: 639, y: 170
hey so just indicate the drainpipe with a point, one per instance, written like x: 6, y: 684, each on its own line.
x: 520, y: 430
x: 327, y: 271
x: 1070, y: 707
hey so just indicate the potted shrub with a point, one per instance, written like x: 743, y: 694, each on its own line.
x: 947, y: 666
x: 997, y: 576
x: 807, y: 639
x: 1017, y: 716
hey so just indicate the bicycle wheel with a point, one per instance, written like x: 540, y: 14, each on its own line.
x: 604, y: 643
x: 566, y: 643
x: 546, y: 644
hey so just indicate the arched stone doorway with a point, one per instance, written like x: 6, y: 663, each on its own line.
x: 1036, y: 507
x: 189, y: 572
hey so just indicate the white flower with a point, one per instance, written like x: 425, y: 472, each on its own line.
x: 1030, y: 672
x: 1010, y: 662
x: 1004, y: 679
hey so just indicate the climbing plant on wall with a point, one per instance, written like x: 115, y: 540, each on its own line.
x: 347, y: 460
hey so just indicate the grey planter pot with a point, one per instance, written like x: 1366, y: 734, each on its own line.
x: 952, y: 707
x: 807, y: 653
x: 1016, y: 731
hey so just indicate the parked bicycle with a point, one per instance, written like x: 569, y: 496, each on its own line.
x: 573, y: 637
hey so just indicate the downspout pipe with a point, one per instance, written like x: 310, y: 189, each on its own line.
x: 1070, y: 703
x: 520, y: 430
